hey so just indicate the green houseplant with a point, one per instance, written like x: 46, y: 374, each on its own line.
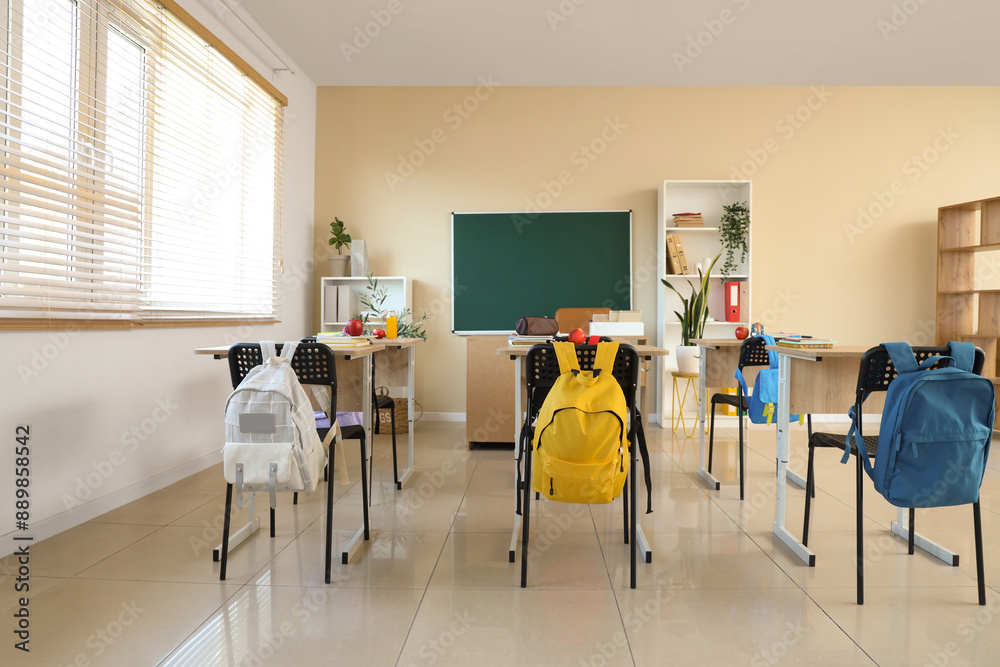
x: 734, y: 229
x: 340, y: 264
x: 374, y: 302
x: 692, y: 317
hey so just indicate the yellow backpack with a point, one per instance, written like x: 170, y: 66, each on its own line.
x: 581, y: 443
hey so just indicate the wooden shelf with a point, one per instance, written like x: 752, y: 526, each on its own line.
x: 968, y: 295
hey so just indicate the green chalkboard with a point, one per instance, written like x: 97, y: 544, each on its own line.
x: 505, y: 265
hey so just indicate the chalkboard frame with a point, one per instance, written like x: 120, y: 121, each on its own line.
x: 530, y: 219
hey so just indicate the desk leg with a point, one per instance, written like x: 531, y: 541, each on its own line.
x: 799, y: 549
x: 640, y: 538
x: 366, y: 423
x: 713, y: 483
x: 410, y: 366
x: 515, y: 536
x: 246, y: 530
x: 901, y: 527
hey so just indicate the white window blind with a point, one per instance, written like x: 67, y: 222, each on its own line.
x: 142, y: 170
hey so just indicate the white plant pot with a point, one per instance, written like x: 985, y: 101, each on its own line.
x: 340, y: 266
x: 688, y: 358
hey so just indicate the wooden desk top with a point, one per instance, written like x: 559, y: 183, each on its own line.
x: 645, y: 351
x: 817, y: 354
x: 222, y: 351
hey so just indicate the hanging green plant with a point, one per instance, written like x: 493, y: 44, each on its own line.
x: 734, y: 228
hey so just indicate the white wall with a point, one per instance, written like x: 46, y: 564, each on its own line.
x: 115, y: 415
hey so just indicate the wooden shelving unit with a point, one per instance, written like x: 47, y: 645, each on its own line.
x: 700, y: 244
x: 968, y: 278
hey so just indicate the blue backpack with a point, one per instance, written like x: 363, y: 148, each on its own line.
x: 761, y: 403
x: 935, y: 433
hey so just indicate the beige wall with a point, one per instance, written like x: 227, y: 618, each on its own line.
x: 818, y: 266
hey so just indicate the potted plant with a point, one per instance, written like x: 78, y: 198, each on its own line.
x: 340, y: 264
x: 734, y: 228
x: 692, y: 317
x: 374, y: 301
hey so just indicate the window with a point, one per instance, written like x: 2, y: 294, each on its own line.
x: 142, y: 171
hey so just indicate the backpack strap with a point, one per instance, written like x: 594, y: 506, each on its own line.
x: 288, y: 349
x: 772, y: 356
x: 902, y: 357
x: 604, y: 360
x: 566, y: 355
x: 267, y: 349
x: 963, y: 355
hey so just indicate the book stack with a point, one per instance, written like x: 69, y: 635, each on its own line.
x: 677, y: 263
x: 518, y: 340
x: 803, y: 342
x: 688, y: 220
x: 334, y: 339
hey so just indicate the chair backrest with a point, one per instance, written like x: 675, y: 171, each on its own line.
x: 877, y: 371
x: 313, y: 363
x: 752, y: 353
x: 577, y: 318
x: 542, y: 370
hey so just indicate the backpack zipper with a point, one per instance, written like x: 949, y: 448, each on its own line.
x: 552, y: 491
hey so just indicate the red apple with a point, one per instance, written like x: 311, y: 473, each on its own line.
x: 577, y: 336
x: 742, y: 332
x: 379, y: 333
x: 354, y: 328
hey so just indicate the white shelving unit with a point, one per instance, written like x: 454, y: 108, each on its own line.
x: 400, y: 296
x: 700, y: 244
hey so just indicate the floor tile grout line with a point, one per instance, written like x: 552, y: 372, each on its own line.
x: 444, y: 544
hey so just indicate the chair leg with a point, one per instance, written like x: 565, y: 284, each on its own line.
x: 741, y: 456
x: 225, y: 532
x: 810, y: 494
x: 329, y: 516
x: 295, y: 500
x: 392, y: 425
x: 364, y: 485
x: 913, y: 530
x: 809, y: 433
x: 860, y: 536
x: 525, y: 517
x: 625, y: 505
x: 711, y: 438
x: 272, y: 520
x: 980, y: 574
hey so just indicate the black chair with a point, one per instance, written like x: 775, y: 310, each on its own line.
x: 752, y: 353
x: 875, y: 375
x: 315, y: 364
x: 541, y: 372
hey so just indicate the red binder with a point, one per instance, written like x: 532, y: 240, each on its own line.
x: 732, y: 290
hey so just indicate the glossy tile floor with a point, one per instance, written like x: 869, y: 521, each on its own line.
x: 137, y: 586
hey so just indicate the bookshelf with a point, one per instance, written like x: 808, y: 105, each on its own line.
x: 700, y: 244
x: 400, y: 297
x: 968, y: 278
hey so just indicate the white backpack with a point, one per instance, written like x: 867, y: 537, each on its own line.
x: 271, y: 439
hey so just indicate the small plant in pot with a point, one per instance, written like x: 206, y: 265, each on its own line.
x: 734, y: 228
x: 692, y: 317
x: 340, y: 264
